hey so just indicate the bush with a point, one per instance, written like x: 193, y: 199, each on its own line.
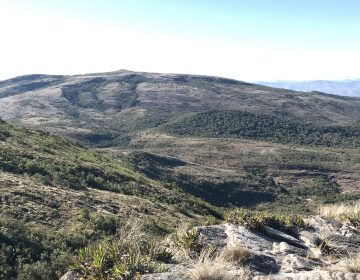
x: 328, y: 249
x: 254, y: 220
x: 211, y: 267
x: 30, y: 253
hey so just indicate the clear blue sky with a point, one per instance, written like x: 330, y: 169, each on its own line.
x: 248, y: 40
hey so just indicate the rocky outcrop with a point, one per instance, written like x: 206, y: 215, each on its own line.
x: 278, y: 256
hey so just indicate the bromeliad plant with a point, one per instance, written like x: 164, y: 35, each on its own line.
x: 127, y: 257
x: 186, y: 244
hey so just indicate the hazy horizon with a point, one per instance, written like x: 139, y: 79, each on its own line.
x: 244, y: 40
x: 178, y: 73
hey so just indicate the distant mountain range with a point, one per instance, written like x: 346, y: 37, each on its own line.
x: 344, y: 88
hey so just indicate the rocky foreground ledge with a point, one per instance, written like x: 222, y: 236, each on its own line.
x: 324, y: 249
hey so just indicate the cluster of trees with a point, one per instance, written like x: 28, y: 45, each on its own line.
x: 265, y: 127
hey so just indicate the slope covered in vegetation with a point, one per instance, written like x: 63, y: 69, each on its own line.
x: 57, y: 196
x: 235, y: 124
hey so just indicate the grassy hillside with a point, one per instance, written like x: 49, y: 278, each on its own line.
x: 57, y: 196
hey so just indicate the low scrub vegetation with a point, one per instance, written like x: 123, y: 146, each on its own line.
x: 57, y: 162
x: 209, y: 267
x: 34, y: 253
x: 47, y: 180
x: 237, y: 124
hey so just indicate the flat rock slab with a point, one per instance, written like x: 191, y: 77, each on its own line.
x: 292, y: 262
x: 251, y: 240
x: 284, y: 248
x: 264, y: 264
x: 213, y: 235
x: 311, y: 239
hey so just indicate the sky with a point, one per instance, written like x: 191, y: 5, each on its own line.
x: 250, y: 40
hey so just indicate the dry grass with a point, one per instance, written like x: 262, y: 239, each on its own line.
x: 236, y: 254
x: 351, y: 264
x: 210, y: 267
x: 328, y: 249
x: 339, y: 211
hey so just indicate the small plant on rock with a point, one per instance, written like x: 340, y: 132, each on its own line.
x: 187, y: 242
x: 328, y: 249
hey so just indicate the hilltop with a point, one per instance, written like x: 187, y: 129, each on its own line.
x: 84, y: 106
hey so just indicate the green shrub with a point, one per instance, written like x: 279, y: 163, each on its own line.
x: 27, y: 253
x: 186, y: 245
x: 188, y: 240
x: 255, y: 220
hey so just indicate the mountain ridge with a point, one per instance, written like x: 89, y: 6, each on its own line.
x: 123, y: 93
